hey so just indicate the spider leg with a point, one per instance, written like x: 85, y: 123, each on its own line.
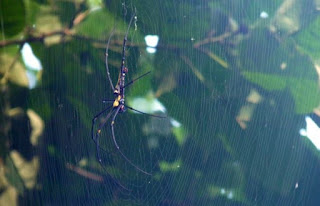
x: 112, y: 129
x: 95, y: 138
x: 94, y: 119
x: 115, y: 180
x: 98, y: 133
x: 152, y: 115
x: 116, y: 144
x: 107, y: 101
x: 124, y: 45
x: 107, y: 67
x: 132, y: 81
x: 132, y: 17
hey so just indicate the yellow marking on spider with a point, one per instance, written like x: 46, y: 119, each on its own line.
x: 116, y: 101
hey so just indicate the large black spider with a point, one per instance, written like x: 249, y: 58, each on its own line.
x: 118, y: 104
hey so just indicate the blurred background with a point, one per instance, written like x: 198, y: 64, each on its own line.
x: 237, y: 80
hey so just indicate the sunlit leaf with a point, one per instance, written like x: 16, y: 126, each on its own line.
x: 14, y: 70
x: 13, y: 175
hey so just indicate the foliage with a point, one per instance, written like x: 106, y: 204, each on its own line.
x: 236, y: 79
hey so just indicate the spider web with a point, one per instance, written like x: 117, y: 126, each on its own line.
x: 140, y: 137
x: 237, y: 81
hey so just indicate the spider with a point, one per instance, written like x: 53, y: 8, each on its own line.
x: 118, y: 104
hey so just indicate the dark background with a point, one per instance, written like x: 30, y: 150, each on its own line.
x: 239, y: 76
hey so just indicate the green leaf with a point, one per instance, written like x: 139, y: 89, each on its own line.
x: 90, y: 26
x: 267, y: 81
x: 309, y: 39
x: 170, y: 166
x: 82, y: 109
x: 305, y: 92
x: 12, y: 16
